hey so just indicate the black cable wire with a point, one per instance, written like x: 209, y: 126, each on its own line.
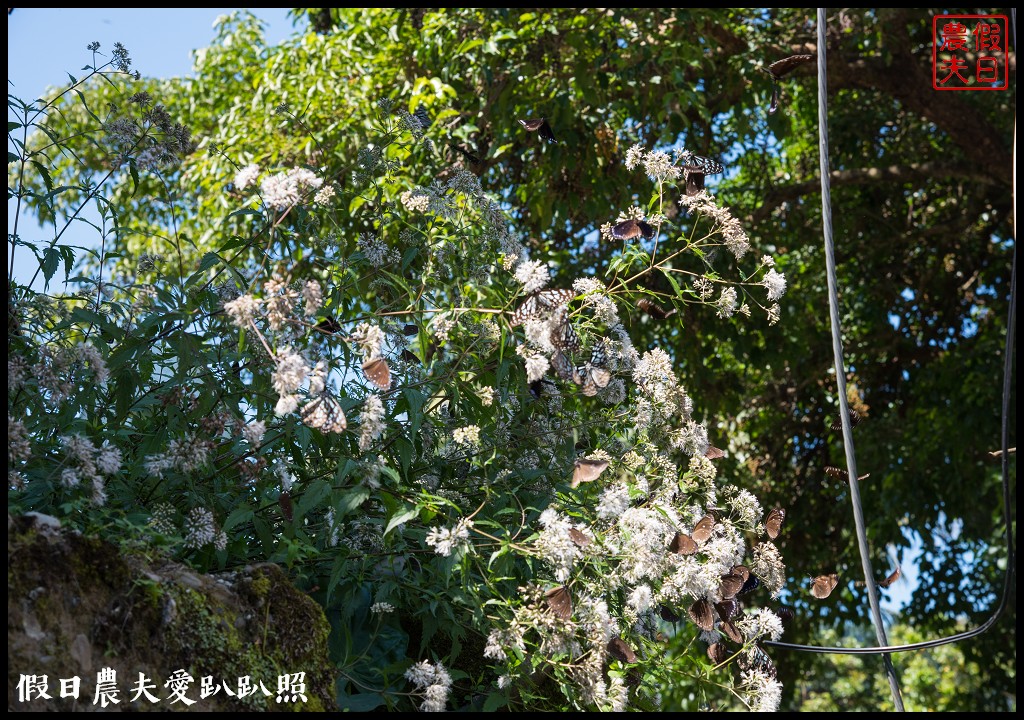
x: 1011, y: 562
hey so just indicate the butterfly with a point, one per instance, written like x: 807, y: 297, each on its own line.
x: 563, y: 334
x: 839, y: 473
x: 591, y: 377
x: 732, y: 632
x: 325, y: 413
x: 785, y: 613
x: 823, y: 585
x: 654, y: 309
x: 562, y: 365
x: 629, y: 229
x: 285, y: 501
x: 410, y: 330
x: 540, y: 125
x: 713, y: 453
x: 732, y: 583
x: 587, y: 470
x: 773, y: 523
x: 703, y: 529
x: 620, y: 650
x: 560, y: 602
x: 328, y: 326
x: 683, y: 544
x: 700, y: 613
x: 778, y: 70
x: 728, y: 609
x: 668, y: 615
x: 893, y: 577
x: 542, y: 302
x: 718, y: 653
x: 757, y: 659
x: 854, y: 420
x: 378, y: 372
x: 579, y: 538
x: 695, y: 167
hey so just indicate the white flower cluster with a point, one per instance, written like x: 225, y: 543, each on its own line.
x: 284, y: 190
x: 433, y: 681
x: 444, y: 541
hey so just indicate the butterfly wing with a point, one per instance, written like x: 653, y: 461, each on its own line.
x: 718, y: 653
x: 540, y: 126
x: 683, y: 544
x: 563, y: 334
x: 378, y: 372
x: 713, y: 453
x: 654, y: 309
x: 562, y: 365
x: 560, y: 602
x: 823, y: 585
x: 587, y: 470
x: 579, y: 538
x: 773, y: 523
x: 780, y: 68
x: 701, y: 614
x: 730, y: 586
x: 541, y: 303
x: 621, y: 651
x: 703, y: 529
x: 893, y: 577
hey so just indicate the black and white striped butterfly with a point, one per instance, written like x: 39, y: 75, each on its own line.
x: 695, y: 168
x: 325, y: 413
x: 563, y: 334
x: 541, y: 303
x: 593, y: 376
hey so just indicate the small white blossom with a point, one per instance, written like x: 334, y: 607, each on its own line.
x: 444, y: 541
x: 634, y: 156
x: 775, y: 282
x: 533, y: 275
x: 246, y: 176
x: 242, y: 309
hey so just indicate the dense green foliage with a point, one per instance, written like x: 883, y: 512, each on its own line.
x: 922, y: 200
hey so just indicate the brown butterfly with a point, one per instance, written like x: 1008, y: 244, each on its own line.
x: 823, y: 585
x: 683, y: 544
x: 654, y: 309
x: 587, y: 470
x: 540, y: 125
x: 718, y: 653
x: 410, y: 330
x: 732, y: 632
x: 728, y: 609
x: 560, y: 602
x: 841, y: 474
x: 731, y: 584
x: 701, y: 614
x: 632, y: 228
x: 742, y: 570
x: 893, y: 577
x: 620, y: 650
x: 713, y: 453
x: 773, y: 523
x: 703, y: 529
x: 837, y: 425
x: 779, y: 69
x: 785, y: 613
x: 378, y: 372
x: 285, y: 501
x: 581, y: 539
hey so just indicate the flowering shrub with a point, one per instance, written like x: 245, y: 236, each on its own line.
x: 492, y: 490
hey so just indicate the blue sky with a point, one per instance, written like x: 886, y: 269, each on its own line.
x: 45, y: 44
